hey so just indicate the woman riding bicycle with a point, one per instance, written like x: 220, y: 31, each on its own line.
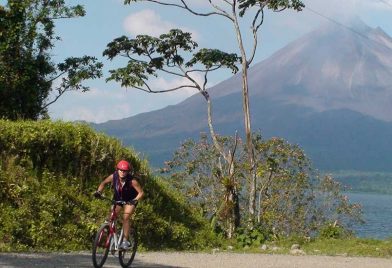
x: 126, y: 188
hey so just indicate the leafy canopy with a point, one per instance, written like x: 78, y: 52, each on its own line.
x: 27, y: 72
x: 292, y: 198
x: 168, y: 54
x: 276, y: 5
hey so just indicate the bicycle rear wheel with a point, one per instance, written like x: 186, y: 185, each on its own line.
x: 126, y: 256
x: 101, y: 246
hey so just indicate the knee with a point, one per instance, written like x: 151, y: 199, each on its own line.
x: 128, y: 213
x: 126, y: 216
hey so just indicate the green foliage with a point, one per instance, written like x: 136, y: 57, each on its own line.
x: 292, y: 200
x: 285, y: 191
x: 48, y: 172
x: 198, y: 172
x: 214, y: 57
x: 334, y: 206
x: 350, y: 247
x: 44, y: 213
x: 168, y: 54
x: 27, y: 35
x: 168, y: 222
x: 346, y: 246
x: 275, y: 5
x: 65, y: 148
x: 253, y: 237
x: 333, y: 231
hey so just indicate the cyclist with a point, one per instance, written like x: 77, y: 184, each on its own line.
x: 126, y: 188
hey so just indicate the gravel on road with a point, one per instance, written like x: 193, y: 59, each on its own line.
x: 190, y: 260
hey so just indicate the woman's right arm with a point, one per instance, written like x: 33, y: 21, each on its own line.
x: 108, y: 179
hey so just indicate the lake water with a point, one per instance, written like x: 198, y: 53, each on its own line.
x: 377, y: 213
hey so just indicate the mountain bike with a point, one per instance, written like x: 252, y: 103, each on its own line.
x: 109, y: 238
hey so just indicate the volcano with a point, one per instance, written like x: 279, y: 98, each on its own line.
x: 329, y: 91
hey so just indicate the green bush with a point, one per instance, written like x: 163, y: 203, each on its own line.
x: 48, y: 172
x: 333, y: 231
x: 250, y: 237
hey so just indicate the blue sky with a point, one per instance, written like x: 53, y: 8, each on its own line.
x: 108, y: 19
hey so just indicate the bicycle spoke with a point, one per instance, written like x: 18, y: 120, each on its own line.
x: 101, y: 246
x: 126, y: 256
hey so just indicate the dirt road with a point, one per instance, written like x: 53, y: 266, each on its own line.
x: 190, y: 260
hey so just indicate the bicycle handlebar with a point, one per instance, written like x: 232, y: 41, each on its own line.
x: 114, y: 202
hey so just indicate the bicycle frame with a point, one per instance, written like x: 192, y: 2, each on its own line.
x: 117, y: 239
x: 109, y: 239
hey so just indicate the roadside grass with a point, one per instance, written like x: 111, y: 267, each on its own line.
x: 358, y: 247
x: 349, y: 247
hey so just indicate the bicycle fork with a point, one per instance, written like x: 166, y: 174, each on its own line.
x: 115, y: 242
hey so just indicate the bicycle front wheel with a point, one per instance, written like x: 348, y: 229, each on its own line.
x: 126, y: 256
x: 101, y: 246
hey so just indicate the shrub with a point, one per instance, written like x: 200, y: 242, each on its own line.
x: 48, y: 171
x: 249, y: 237
x: 333, y: 231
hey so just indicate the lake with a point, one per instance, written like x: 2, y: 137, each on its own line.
x: 377, y: 213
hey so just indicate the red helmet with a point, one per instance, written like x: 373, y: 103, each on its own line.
x: 124, y: 165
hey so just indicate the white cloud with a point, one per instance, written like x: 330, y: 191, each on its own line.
x: 100, y: 105
x: 163, y: 84
x: 150, y: 22
x: 96, y: 115
x: 96, y: 105
x: 146, y: 22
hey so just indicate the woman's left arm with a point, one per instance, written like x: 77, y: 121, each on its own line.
x: 138, y: 188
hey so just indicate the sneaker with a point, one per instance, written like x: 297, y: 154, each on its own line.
x: 125, y: 245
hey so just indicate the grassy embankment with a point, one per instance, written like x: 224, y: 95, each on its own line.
x: 48, y: 172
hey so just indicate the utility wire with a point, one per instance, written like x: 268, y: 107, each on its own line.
x: 348, y: 27
x: 385, y: 2
x: 336, y: 22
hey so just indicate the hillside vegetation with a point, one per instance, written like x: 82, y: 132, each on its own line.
x: 361, y: 181
x: 48, y: 172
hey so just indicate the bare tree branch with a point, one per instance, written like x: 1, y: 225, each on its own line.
x: 149, y: 90
x: 186, y: 7
x: 255, y: 28
x: 60, y: 93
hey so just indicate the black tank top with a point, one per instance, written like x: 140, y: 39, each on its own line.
x: 124, y: 192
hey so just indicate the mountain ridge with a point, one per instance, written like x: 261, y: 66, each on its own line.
x: 328, y: 79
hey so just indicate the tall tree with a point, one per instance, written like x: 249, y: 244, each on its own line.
x: 213, y: 185
x: 27, y: 72
x: 173, y: 54
x: 233, y: 11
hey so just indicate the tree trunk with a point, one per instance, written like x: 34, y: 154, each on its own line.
x: 233, y: 221
x: 248, y: 129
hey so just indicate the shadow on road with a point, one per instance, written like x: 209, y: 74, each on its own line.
x: 63, y: 260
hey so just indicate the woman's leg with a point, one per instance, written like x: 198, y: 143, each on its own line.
x: 128, y: 211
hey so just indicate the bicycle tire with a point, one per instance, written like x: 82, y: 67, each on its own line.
x: 101, y: 246
x: 126, y: 257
